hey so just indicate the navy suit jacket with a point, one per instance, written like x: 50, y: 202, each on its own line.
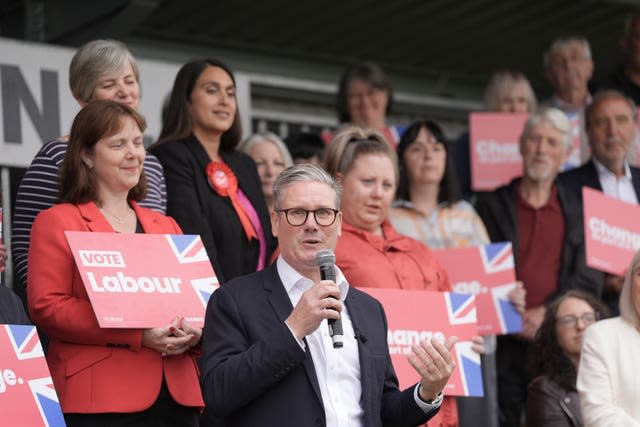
x: 587, y: 176
x: 254, y: 372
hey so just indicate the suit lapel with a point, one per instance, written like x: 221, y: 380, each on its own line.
x: 635, y: 179
x: 360, y: 323
x: 591, y: 178
x: 281, y: 304
x: 93, y: 218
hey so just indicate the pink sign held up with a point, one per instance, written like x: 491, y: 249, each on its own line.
x: 488, y: 271
x: 612, y: 231
x: 417, y: 315
x: 144, y: 280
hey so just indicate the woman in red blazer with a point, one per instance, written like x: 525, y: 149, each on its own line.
x: 107, y: 377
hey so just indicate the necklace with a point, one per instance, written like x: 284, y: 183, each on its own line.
x: 117, y: 218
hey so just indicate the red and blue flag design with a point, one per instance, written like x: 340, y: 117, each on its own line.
x: 418, y: 315
x: 27, y: 395
x: 188, y: 248
x: 488, y: 273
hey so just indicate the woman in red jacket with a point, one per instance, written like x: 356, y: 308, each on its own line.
x: 105, y: 377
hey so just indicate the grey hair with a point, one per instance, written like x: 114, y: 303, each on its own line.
x: 602, y: 95
x: 627, y: 308
x: 555, y: 118
x: 353, y: 141
x: 95, y: 59
x: 304, y: 172
x: 561, y: 43
x: 259, y: 137
x: 503, y: 80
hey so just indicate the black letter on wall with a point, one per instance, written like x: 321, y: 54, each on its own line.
x: 16, y: 91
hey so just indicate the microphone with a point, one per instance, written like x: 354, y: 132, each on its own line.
x: 360, y: 336
x: 326, y: 260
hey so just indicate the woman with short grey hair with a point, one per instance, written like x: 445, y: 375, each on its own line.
x: 99, y: 70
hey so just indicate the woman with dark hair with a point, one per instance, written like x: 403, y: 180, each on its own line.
x: 107, y: 376
x: 430, y: 207
x: 552, y: 398
x: 212, y: 189
x: 365, y: 98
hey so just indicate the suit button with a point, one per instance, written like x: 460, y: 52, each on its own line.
x: 319, y: 422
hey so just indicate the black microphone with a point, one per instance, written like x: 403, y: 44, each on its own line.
x: 360, y: 336
x: 326, y: 260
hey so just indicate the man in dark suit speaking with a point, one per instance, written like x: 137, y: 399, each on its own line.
x: 268, y: 358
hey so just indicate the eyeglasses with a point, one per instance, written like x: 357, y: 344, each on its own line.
x: 571, y: 321
x: 298, y: 216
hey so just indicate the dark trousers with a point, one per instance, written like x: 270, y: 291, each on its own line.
x: 513, y: 378
x: 165, y: 412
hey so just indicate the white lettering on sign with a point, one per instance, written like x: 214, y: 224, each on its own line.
x: 401, y: 340
x: 101, y: 259
x: 8, y: 378
x: 612, y: 235
x: 472, y: 287
x: 128, y: 284
x: 491, y: 152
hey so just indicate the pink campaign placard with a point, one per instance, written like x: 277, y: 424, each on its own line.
x: 612, y: 231
x: 417, y: 315
x: 144, y: 280
x: 495, y: 153
x: 488, y: 271
x: 495, y: 156
x: 27, y: 396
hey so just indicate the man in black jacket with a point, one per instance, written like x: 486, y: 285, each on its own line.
x: 533, y: 213
x: 611, y: 121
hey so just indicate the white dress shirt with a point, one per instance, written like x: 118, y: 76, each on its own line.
x: 337, y: 369
x: 620, y: 188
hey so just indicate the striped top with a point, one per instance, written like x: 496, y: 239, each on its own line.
x: 39, y: 191
x: 452, y: 226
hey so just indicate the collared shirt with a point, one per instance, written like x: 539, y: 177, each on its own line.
x: 620, y: 188
x: 541, y: 232
x: 337, y: 370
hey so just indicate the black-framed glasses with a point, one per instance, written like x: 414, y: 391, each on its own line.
x: 298, y: 216
x: 571, y: 321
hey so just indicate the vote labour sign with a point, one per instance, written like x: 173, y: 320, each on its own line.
x: 612, y: 231
x: 416, y: 315
x: 495, y: 151
x: 144, y: 280
x: 489, y: 273
x: 27, y: 396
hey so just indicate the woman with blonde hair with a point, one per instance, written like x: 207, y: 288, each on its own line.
x: 607, y: 385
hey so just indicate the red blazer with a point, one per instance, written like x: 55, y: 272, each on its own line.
x: 96, y: 370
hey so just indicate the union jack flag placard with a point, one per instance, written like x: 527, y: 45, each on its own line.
x: 487, y: 271
x: 27, y: 396
x: 144, y: 280
x: 416, y: 315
